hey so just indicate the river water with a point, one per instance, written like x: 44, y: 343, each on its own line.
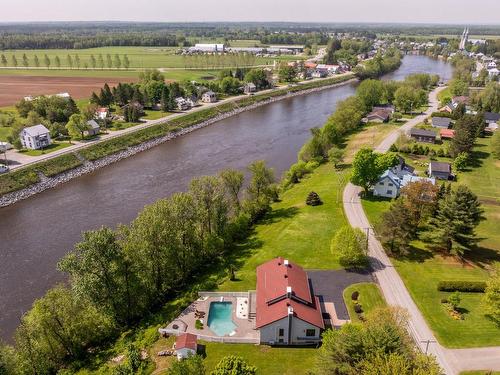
x: 37, y: 232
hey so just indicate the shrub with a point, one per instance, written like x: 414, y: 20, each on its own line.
x: 358, y: 309
x: 313, y: 199
x: 355, y: 295
x: 454, y: 300
x: 198, y: 324
x: 461, y: 286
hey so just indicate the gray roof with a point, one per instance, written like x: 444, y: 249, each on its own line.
x: 35, y: 131
x: 93, y: 124
x: 437, y: 166
x: 441, y: 122
x: 422, y: 132
x: 491, y: 116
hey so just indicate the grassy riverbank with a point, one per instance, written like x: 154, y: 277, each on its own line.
x: 17, y: 180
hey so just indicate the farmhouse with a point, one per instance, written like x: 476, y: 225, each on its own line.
x: 186, y: 345
x: 209, y: 97
x: 422, y: 135
x: 441, y: 122
x: 35, y: 137
x: 439, y: 170
x: 287, y: 312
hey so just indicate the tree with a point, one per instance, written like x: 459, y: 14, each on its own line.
x: 93, y: 62
x: 77, y: 61
x: 260, y: 190
x: 57, y: 61
x: 454, y: 300
x: 109, y: 61
x: 407, y: 98
x: 25, y: 60
x: 313, y: 199
x: 46, y: 61
x: 59, y: 329
x: 335, y: 156
x: 3, y: 60
x: 398, y: 364
x: 397, y: 229
x: 258, y: 77
x: 233, y: 365
x: 453, y: 227
x: 420, y: 200
x: 126, y: 62
x: 466, y: 131
x: 14, y: 61
x: 100, y: 62
x: 69, y: 61
x: 458, y: 87
x: 461, y: 161
x: 188, y: 366
x: 491, y: 298
x: 287, y: 73
x: 117, y: 62
x: 7, y: 360
x: 77, y: 125
x: 371, y: 92
x: 350, y: 244
x: 490, y: 97
x: 36, y: 61
x: 233, y: 182
x: 230, y: 85
x: 367, y: 167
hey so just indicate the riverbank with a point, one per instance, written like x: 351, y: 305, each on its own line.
x: 89, y: 165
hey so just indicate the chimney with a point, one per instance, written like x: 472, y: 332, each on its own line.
x: 290, y: 310
x: 286, y: 263
x: 288, y: 292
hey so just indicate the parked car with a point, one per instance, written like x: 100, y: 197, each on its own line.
x: 4, y: 168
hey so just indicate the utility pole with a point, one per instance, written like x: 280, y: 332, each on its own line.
x: 427, y: 343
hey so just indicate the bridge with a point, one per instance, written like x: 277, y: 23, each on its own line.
x: 463, y: 39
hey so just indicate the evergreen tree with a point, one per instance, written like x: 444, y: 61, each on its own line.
x: 165, y: 99
x: 93, y: 62
x: 57, y: 61
x: 46, y: 60
x: 36, y: 61
x: 453, y: 227
x: 94, y: 98
x: 117, y: 62
x: 3, y: 60
x: 126, y: 62
x: 100, y: 62
x: 69, y: 61
x: 14, y: 61
x: 77, y: 61
x: 25, y: 60
x: 397, y: 229
x: 109, y: 62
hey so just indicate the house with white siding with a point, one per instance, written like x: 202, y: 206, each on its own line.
x: 35, y: 137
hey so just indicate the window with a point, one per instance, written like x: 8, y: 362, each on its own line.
x: 390, y: 184
x: 389, y: 192
x: 381, y: 183
x: 281, y: 340
x: 310, y: 332
x: 281, y: 332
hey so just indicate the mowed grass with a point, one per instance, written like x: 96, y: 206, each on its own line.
x: 268, y: 360
x: 370, y: 298
x: 421, y: 270
x: 4, y: 132
x: 53, y: 147
x: 294, y: 230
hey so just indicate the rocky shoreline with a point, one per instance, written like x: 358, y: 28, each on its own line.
x: 90, y: 166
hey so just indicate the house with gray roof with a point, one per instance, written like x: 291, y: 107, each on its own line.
x: 93, y: 128
x: 441, y: 122
x: 35, y: 137
x: 440, y: 170
x: 422, y: 135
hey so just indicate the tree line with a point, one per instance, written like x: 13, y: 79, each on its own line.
x: 117, y: 277
x: 70, y: 61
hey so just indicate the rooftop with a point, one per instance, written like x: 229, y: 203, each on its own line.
x: 186, y: 340
x: 438, y: 166
x: 36, y: 130
x: 422, y: 132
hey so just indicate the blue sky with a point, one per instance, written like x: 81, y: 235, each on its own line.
x: 406, y: 11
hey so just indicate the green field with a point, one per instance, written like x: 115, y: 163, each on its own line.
x: 370, y: 298
x: 421, y: 270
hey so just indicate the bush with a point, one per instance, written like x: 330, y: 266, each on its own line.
x: 461, y: 286
x: 198, y: 324
x: 358, y: 309
x: 444, y: 300
x: 355, y: 295
x: 313, y: 199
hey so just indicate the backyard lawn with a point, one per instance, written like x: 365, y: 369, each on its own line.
x: 47, y: 150
x: 4, y: 132
x: 369, y: 298
x: 421, y: 270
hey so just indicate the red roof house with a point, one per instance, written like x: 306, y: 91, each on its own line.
x: 447, y: 133
x: 287, y: 310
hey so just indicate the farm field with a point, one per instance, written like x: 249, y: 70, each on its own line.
x: 421, y: 270
x: 14, y: 88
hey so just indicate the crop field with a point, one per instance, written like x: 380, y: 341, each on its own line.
x: 139, y: 58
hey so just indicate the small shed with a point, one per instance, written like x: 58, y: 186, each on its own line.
x: 447, y: 133
x: 93, y: 129
x: 441, y: 122
x: 209, y: 97
x: 186, y: 345
x: 439, y: 170
x: 422, y: 135
x: 249, y: 88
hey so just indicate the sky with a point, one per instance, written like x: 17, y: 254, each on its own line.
x: 402, y: 11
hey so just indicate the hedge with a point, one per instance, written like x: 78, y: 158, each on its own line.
x: 461, y: 286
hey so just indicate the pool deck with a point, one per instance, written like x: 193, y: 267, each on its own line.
x: 244, y: 332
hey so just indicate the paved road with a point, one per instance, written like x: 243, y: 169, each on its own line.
x: 18, y: 160
x: 453, y: 361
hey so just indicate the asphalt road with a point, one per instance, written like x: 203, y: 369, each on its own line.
x: 453, y: 361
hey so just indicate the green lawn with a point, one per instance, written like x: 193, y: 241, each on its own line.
x: 155, y: 115
x: 268, y: 360
x: 369, y: 298
x: 421, y: 270
x: 53, y: 147
x: 294, y: 230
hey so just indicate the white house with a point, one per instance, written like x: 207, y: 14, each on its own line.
x: 102, y: 113
x: 183, y: 104
x: 492, y: 73
x: 186, y: 345
x: 287, y: 311
x: 35, y: 137
x: 388, y: 185
x: 209, y: 97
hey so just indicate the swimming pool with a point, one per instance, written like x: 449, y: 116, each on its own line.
x: 219, y: 318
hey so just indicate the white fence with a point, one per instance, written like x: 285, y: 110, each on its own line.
x: 223, y: 294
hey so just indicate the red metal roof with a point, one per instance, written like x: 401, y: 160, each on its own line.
x: 186, y: 340
x: 447, y: 133
x: 274, y: 280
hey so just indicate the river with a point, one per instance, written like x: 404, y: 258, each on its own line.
x: 37, y: 232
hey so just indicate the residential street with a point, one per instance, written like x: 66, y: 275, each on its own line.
x: 453, y: 361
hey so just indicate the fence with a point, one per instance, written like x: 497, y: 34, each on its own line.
x: 223, y: 294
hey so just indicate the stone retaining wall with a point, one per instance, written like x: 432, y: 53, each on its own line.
x: 90, y: 166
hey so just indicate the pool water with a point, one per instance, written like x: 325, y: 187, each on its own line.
x: 219, y: 318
